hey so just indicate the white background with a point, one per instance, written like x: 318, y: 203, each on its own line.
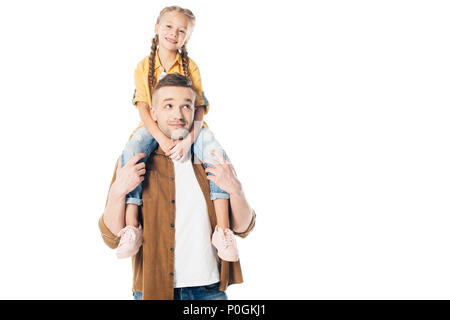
x: 335, y: 115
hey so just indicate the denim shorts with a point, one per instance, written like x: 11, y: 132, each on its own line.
x: 208, y: 292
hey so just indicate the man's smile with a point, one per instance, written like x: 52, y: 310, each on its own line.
x: 177, y: 125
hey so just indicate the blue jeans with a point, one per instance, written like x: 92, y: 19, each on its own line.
x: 142, y: 141
x: 209, y: 292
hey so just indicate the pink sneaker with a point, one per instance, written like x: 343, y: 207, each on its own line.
x: 130, y: 241
x: 223, y: 240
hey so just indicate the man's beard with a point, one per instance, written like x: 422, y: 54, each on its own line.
x: 179, y: 134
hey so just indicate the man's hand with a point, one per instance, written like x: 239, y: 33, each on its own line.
x: 129, y: 176
x: 223, y: 174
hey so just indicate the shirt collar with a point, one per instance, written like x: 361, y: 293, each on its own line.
x: 159, y: 151
x: 178, y: 60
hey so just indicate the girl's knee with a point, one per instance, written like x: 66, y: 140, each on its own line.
x: 134, y: 146
x: 206, y: 135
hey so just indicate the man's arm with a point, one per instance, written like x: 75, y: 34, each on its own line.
x: 125, y: 179
x: 114, y: 214
x: 113, y: 217
x: 242, y: 216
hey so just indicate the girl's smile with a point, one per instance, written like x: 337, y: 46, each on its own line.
x: 173, y: 30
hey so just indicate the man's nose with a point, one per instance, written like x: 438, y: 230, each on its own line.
x: 176, y: 113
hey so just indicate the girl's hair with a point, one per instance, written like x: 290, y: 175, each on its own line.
x: 184, y: 55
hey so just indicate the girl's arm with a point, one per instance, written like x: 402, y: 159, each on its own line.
x: 198, y: 123
x: 203, y: 107
x: 182, y: 147
x: 152, y: 127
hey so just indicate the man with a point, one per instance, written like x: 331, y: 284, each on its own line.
x: 176, y: 203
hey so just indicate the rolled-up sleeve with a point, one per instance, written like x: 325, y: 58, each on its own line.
x: 109, y: 238
x: 141, y: 83
x: 197, y: 83
x: 250, y: 227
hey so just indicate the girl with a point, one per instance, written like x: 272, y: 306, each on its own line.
x: 168, y: 55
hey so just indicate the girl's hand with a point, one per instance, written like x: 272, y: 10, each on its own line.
x: 166, y: 144
x: 223, y: 174
x: 181, y: 149
x: 129, y: 176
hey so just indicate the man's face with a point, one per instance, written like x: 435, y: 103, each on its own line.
x: 174, y: 110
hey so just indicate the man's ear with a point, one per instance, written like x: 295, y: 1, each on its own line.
x: 153, y: 113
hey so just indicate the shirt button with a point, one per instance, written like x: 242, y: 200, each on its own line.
x: 171, y: 249
x: 171, y: 225
x: 171, y: 274
x: 173, y: 201
x: 171, y: 178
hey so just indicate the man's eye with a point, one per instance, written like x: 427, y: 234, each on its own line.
x: 168, y: 26
x: 167, y: 106
x: 182, y: 31
x: 187, y: 106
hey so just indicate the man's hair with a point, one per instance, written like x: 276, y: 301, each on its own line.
x: 174, y: 80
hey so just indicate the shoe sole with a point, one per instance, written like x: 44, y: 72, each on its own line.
x: 123, y: 255
x: 228, y: 258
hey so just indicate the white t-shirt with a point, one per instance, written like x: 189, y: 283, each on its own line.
x: 196, y: 262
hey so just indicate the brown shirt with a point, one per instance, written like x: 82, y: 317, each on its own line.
x: 153, y: 265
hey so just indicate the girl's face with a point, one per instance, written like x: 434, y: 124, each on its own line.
x: 173, y: 30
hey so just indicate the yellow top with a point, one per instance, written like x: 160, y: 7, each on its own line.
x: 141, y: 79
x: 142, y: 92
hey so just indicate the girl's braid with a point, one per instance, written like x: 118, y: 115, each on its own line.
x: 151, y: 60
x: 185, y: 60
x: 184, y: 55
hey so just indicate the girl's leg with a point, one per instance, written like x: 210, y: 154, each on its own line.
x: 131, y: 236
x: 141, y: 141
x: 223, y: 237
x: 221, y: 207
x: 131, y: 215
x: 202, y: 149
